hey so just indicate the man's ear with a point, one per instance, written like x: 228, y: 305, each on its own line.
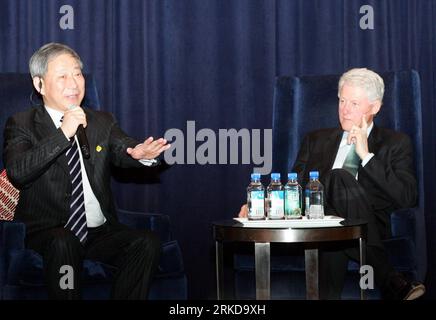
x: 376, y: 105
x: 37, y: 83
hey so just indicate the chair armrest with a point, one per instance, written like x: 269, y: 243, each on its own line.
x: 159, y: 223
x: 171, y: 260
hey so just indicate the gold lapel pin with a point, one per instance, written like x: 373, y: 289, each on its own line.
x: 98, y: 148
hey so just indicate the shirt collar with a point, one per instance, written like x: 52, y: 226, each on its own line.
x: 55, y: 115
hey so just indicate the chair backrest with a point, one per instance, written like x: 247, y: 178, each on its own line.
x: 16, y: 92
x: 306, y: 103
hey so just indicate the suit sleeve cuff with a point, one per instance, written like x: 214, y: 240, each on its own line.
x: 148, y: 162
x: 367, y: 158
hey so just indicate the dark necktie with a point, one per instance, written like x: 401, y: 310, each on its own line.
x: 77, y: 221
x: 352, y: 161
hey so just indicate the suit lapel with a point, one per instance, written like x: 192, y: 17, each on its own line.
x: 324, y: 153
x: 332, y: 146
x: 374, y: 140
x: 44, y: 124
x: 90, y: 134
x: 44, y: 127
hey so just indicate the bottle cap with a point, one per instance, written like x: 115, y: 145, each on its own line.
x: 255, y: 176
x: 275, y: 176
x: 314, y: 174
x: 292, y: 176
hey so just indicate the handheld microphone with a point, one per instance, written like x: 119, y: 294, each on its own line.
x: 83, y: 140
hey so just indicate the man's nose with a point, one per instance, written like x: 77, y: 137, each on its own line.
x: 71, y: 83
x: 346, y: 107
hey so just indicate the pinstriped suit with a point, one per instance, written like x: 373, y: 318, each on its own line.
x: 35, y: 161
x: 34, y: 157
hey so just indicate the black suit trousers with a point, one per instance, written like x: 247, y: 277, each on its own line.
x: 134, y: 253
x: 345, y: 197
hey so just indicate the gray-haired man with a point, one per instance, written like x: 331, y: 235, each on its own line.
x: 66, y: 200
x: 367, y: 172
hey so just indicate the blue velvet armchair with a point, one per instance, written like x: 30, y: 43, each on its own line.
x: 21, y: 275
x: 307, y: 103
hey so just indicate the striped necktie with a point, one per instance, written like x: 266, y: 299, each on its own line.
x: 352, y: 161
x: 77, y: 221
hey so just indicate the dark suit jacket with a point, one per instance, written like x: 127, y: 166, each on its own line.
x: 34, y: 156
x: 388, y: 178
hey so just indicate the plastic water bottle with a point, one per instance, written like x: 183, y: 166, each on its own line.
x: 256, y: 198
x: 314, y: 197
x: 293, y: 196
x: 275, y: 198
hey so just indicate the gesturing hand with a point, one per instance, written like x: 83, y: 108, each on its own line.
x: 358, y: 136
x: 149, y: 149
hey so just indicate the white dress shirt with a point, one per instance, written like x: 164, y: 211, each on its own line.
x: 94, y: 215
x: 344, y: 148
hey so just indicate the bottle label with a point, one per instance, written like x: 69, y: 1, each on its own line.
x: 316, y: 204
x: 307, y: 204
x: 316, y: 211
x: 292, y: 205
x: 257, y: 204
x: 277, y: 204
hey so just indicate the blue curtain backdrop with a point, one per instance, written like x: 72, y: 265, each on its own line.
x: 159, y: 64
